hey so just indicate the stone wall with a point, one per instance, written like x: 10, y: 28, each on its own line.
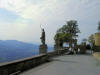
x: 11, y: 68
x: 15, y: 67
x: 96, y: 48
x: 97, y: 42
x: 97, y: 39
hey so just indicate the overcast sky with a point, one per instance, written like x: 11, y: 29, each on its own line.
x: 21, y: 19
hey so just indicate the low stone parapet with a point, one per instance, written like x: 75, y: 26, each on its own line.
x: 17, y: 66
x: 96, y: 48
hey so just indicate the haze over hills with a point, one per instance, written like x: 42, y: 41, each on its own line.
x: 13, y: 49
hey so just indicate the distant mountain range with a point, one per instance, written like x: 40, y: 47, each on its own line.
x: 12, y: 50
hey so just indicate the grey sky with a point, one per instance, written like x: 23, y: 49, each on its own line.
x: 21, y: 19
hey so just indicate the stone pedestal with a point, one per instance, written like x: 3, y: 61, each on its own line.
x: 43, y: 49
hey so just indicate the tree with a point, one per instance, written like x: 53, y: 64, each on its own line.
x: 91, y: 39
x: 62, y: 36
x: 88, y: 46
x: 73, y: 28
x: 99, y: 26
x: 84, y: 42
x: 70, y: 28
x: 68, y: 32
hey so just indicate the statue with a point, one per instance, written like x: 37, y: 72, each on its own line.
x: 43, y: 47
x: 43, y: 37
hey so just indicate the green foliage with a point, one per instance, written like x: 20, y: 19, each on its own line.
x: 73, y: 27
x: 67, y: 32
x: 63, y: 29
x: 88, y: 46
x: 99, y: 26
x: 62, y: 37
x: 70, y: 28
x: 91, y: 39
x: 83, y: 43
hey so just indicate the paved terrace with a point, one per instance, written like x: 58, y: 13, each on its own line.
x: 68, y: 65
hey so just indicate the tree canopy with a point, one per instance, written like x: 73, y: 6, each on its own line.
x: 71, y: 28
x: 91, y: 39
x: 67, y: 32
x: 99, y: 26
x: 62, y: 37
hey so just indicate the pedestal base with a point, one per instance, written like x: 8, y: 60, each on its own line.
x: 43, y: 49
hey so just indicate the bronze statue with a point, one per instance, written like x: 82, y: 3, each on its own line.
x: 43, y: 36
